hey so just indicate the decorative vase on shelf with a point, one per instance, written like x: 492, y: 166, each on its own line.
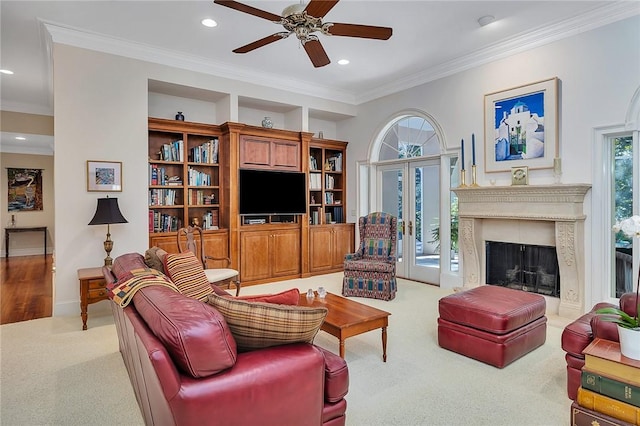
x: 629, y: 342
x: 179, y: 116
x: 267, y: 123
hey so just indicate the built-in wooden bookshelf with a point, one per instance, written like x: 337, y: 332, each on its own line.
x: 184, y: 178
x: 327, y: 181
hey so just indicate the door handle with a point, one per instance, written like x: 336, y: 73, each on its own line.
x: 402, y: 227
x: 410, y: 228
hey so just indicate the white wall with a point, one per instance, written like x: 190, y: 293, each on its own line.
x: 599, y: 72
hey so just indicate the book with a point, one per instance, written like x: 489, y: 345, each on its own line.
x: 613, y: 388
x: 604, y: 357
x: 581, y: 416
x: 609, y: 406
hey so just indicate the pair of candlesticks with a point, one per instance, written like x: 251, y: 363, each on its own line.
x: 463, y: 178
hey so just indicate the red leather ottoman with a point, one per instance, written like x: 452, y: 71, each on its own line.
x: 493, y: 324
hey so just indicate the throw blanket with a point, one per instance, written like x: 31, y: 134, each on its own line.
x: 124, y: 291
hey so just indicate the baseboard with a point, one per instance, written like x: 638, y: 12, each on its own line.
x: 31, y: 251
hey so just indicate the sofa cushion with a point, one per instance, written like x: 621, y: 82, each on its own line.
x: 195, y: 335
x: 287, y: 297
x: 256, y: 325
x: 187, y: 273
x: 154, y: 258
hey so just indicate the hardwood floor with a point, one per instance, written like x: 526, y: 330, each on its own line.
x: 26, y: 288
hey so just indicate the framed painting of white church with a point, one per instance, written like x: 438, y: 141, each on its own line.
x: 521, y: 127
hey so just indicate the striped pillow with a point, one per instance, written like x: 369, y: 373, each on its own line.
x: 256, y: 325
x: 186, y: 272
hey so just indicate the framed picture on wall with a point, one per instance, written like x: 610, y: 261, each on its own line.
x: 104, y: 176
x: 521, y: 127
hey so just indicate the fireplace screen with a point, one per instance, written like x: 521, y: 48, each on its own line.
x: 524, y: 267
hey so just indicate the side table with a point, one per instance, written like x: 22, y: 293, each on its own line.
x: 93, y: 288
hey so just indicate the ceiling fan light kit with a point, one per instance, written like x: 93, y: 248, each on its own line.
x: 304, y: 21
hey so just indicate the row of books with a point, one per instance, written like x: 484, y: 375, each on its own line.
x: 205, y: 153
x: 210, y: 220
x: 313, y: 163
x: 330, y: 198
x: 198, y: 178
x: 610, y: 387
x: 173, y: 151
x: 199, y: 197
x: 329, y: 182
x: 163, y: 197
x: 335, y: 162
x: 333, y: 216
x: 315, y: 181
x: 158, y: 176
x: 162, y: 222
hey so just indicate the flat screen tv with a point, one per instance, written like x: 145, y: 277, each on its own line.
x: 271, y: 192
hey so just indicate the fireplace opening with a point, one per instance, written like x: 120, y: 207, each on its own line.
x: 525, y: 267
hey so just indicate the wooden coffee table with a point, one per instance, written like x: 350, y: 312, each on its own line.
x: 348, y: 318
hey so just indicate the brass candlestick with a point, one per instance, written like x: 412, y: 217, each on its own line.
x: 462, y: 179
x: 474, y: 176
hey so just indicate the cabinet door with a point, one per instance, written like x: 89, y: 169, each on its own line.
x: 285, y: 155
x: 254, y: 246
x: 343, y: 239
x: 255, y: 152
x: 167, y: 243
x: 320, y: 248
x: 216, y: 245
x: 285, y: 251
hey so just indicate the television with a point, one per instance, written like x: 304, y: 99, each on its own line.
x: 272, y: 192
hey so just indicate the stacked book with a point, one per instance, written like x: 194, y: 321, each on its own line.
x: 610, y: 387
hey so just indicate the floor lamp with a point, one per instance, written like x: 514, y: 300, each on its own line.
x: 107, y: 212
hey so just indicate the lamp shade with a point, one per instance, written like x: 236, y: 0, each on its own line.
x: 107, y: 212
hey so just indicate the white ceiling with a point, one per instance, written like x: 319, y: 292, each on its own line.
x: 430, y: 39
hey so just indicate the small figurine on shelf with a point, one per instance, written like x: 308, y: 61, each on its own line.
x: 313, y: 199
x: 179, y: 116
x: 195, y: 222
x: 267, y: 123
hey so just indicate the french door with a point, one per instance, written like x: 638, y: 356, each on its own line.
x: 410, y: 190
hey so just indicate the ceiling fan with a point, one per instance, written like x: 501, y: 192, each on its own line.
x: 303, y: 22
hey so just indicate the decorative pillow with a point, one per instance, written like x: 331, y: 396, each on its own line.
x: 256, y: 325
x: 154, y: 258
x: 186, y: 272
x: 288, y: 297
x: 195, y: 335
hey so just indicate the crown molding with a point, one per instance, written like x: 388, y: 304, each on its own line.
x: 63, y: 34
x: 36, y: 144
x: 530, y: 40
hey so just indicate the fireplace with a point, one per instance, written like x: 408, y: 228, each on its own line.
x: 526, y: 267
x: 542, y: 215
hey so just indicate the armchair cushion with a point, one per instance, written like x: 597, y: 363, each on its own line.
x: 257, y: 325
x: 195, y: 335
x: 370, y: 266
x: 377, y: 248
x: 187, y: 273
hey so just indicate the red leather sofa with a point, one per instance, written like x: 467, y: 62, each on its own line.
x: 577, y: 336
x: 185, y: 370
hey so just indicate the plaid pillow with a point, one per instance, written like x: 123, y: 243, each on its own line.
x: 256, y: 325
x: 186, y: 272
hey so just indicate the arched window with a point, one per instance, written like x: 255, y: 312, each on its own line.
x: 408, y: 137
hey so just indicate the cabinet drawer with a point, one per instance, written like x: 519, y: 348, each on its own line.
x: 97, y: 294
x: 98, y: 283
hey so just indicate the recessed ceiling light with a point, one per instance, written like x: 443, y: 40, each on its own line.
x: 21, y: 138
x: 343, y: 61
x: 6, y: 72
x: 486, y: 20
x: 208, y: 22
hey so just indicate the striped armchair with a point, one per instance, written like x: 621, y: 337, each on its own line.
x: 371, y: 271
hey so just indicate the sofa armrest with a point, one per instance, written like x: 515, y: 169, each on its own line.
x: 353, y: 256
x: 604, y: 329
x: 336, y: 376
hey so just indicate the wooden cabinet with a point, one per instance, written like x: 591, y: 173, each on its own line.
x: 216, y: 244
x: 93, y: 288
x: 184, y: 175
x: 269, y: 253
x: 327, y: 182
x: 257, y: 152
x: 327, y: 246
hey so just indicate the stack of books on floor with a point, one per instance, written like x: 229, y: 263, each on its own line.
x: 610, y: 387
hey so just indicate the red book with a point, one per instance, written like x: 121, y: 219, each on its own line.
x: 581, y: 416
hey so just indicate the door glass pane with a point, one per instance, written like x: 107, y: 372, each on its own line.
x: 623, y: 208
x: 392, y: 201
x: 453, y: 202
x: 427, y: 222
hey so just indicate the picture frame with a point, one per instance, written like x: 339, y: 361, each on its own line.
x: 104, y: 176
x: 521, y: 126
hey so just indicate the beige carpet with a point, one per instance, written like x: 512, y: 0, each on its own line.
x: 52, y: 373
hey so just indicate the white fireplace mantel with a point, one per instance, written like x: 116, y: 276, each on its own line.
x: 525, y: 214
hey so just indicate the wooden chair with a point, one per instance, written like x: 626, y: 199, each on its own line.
x: 191, y: 238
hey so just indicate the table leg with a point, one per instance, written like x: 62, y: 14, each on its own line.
x: 6, y: 244
x: 45, y: 242
x: 342, y: 348
x: 384, y: 344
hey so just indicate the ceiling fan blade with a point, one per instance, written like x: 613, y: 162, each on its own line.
x: 316, y: 53
x: 258, y: 43
x: 363, y: 31
x: 319, y: 8
x: 249, y: 9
